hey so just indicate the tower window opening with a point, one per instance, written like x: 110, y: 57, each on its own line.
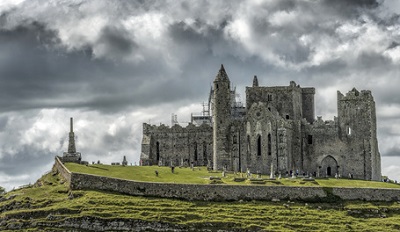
x: 349, y: 130
x: 269, y: 97
x: 287, y: 116
x: 259, y: 145
x: 310, y: 139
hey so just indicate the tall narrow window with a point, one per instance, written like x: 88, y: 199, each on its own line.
x: 309, y: 139
x: 248, y: 151
x: 248, y: 144
x: 269, y: 144
x: 158, y: 150
x: 259, y: 145
x: 269, y: 97
x: 195, y: 151
x: 234, y: 139
x: 205, y: 159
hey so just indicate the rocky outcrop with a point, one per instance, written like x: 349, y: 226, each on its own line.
x: 54, y: 222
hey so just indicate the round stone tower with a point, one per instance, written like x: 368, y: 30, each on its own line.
x: 221, y: 112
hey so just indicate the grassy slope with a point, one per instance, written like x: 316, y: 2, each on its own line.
x: 186, y: 175
x: 51, y: 196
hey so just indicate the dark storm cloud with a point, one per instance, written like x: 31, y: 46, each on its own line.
x: 27, y: 160
x: 32, y: 69
x: 40, y: 73
x: 394, y: 151
x: 121, y: 138
x: 116, y: 41
x: 43, y: 71
x: 343, y: 5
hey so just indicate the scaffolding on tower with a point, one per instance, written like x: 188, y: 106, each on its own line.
x: 203, y: 117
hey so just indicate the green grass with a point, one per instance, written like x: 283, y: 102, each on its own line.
x: 200, y: 175
x: 50, y: 196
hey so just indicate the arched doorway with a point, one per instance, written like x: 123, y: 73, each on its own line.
x: 329, y: 166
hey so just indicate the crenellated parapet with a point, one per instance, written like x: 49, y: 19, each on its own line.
x: 153, y: 129
x: 354, y: 94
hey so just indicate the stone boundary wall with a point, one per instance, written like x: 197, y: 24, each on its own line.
x: 367, y: 194
x: 228, y: 192
x: 59, y: 166
x: 215, y: 192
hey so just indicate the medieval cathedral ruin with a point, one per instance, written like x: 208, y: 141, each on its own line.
x: 276, y: 130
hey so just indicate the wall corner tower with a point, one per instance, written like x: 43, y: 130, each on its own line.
x: 357, y: 127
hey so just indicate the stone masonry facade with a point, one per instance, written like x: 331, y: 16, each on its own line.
x: 276, y: 131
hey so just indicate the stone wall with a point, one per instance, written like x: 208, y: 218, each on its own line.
x: 59, y: 166
x: 176, y: 145
x: 367, y: 194
x: 228, y: 192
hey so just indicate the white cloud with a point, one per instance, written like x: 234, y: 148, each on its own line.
x: 6, y: 5
x: 391, y: 167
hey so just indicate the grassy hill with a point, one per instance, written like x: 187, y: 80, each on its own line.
x: 200, y: 175
x: 50, y: 205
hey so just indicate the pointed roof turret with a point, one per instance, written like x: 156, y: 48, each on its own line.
x: 222, y: 76
x: 255, y: 81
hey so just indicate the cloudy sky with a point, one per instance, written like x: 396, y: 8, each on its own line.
x: 113, y: 65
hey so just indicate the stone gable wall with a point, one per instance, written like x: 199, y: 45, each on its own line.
x: 177, y: 145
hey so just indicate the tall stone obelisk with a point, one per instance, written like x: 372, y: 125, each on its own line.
x: 71, y: 143
x: 71, y: 155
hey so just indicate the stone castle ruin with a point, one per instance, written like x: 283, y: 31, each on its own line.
x: 275, y: 132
